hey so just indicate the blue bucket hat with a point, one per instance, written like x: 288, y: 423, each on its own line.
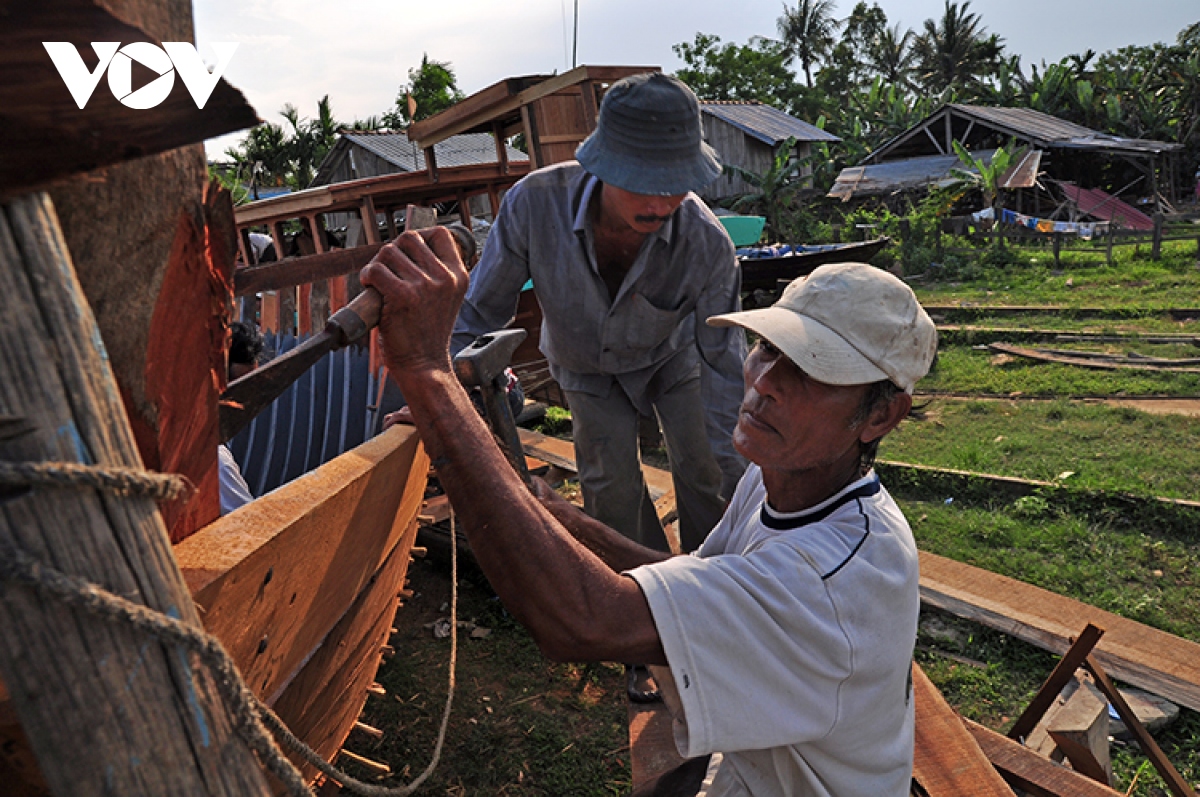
x: 648, y: 140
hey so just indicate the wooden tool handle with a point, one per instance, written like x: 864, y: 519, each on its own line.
x: 361, y: 315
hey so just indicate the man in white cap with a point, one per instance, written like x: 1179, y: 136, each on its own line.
x: 785, y: 642
x: 627, y: 263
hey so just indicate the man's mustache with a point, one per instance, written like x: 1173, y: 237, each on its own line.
x: 651, y: 219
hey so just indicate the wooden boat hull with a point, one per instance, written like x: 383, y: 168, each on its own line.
x: 764, y: 273
x: 301, y: 585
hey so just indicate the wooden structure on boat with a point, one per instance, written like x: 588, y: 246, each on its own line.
x: 553, y: 112
x: 121, y: 367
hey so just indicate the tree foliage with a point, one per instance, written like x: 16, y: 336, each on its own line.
x: 773, y: 189
x: 956, y: 52
x: 753, y: 71
x: 272, y: 155
x: 986, y: 175
x: 873, y: 79
x: 808, y: 32
x: 431, y: 89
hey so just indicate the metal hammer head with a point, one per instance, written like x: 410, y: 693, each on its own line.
x: 487, y: 357
x: 467, y: 246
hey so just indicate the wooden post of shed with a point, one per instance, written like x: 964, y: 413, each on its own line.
x: 1156, y: 246
x: 1112, y: 231
x: 501, y: 146
x: 148, y: 712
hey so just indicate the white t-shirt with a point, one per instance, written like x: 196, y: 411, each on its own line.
x: 234, y: 490
x: 789, y: 639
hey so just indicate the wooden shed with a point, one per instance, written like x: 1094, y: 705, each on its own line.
x: 1069, y: 152
x: 746, y: 134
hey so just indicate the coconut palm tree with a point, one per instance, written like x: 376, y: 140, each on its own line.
x: 956, y: 52
x: 892, y: 56
x: 807, y: 31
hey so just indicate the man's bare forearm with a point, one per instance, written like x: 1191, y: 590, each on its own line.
x: 615, y: 549
x: 575, y: 605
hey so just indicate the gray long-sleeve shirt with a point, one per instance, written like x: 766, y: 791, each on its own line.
x: 651, y: 336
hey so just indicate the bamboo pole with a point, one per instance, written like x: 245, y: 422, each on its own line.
x: 106, y: 709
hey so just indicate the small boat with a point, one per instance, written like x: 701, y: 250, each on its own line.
x: 764, y: 266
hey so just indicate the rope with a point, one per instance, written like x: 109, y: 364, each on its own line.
x: 251, y: 716
x: 122, y: 481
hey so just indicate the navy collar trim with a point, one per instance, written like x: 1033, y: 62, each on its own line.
x: 778, y: 522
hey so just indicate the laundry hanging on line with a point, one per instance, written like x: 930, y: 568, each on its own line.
x: 1085, y: 230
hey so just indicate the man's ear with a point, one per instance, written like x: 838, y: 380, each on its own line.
x: 885, y: 418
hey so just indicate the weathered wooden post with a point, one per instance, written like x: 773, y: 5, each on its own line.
x: 1156, y: 245
x: 108, y: 709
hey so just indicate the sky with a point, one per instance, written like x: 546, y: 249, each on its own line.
x: 359, y: 52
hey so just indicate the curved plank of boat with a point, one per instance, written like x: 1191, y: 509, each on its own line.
x: 301, y: 585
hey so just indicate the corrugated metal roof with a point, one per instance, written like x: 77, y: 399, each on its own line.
x: 395, y: 147
x: 1058, y: 132
x: 766, y: 123
x: 923, y: 172
x: 1103, y: 205
x: 461, y: 150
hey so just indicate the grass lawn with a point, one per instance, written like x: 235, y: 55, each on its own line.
x: 1134, y: 281
x: 1087, y: 445
x: 963, y: 369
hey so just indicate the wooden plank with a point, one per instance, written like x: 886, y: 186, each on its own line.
x: 153, y: 723
x: 275, y: 576
x: 1175, y: 782
x: 562, y: 453
x: 652, y: 749
x: 1063, y: 672
x: 164, y: 313
x: 323, y: 703
x: 389, y: 190
x: 1080, y: 730
x: 947, y: 761
x: 477, y: 106
x: 1088, y: 362
x: 269, y: 312
x: 1030, y: 772
x: 294, y: 271
x: 1137, y: 654
x: 1012, y: 486
x: 450, y: 122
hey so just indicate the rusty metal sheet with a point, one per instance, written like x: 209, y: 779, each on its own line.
x: 1023, y: 173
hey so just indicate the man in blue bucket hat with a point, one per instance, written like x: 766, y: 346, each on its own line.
x: 627, y: 263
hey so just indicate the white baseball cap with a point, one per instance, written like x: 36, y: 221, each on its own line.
x: 847, y: 324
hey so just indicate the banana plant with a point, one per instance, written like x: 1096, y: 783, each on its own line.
x: 985, y: 175
x: 772, y: 189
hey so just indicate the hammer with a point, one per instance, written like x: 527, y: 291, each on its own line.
x: 244, y: 398
x: 482, y: 365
